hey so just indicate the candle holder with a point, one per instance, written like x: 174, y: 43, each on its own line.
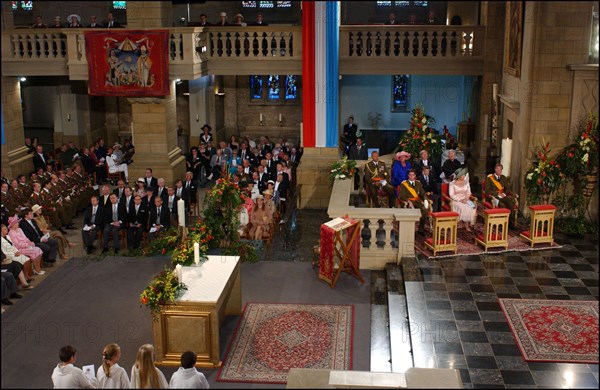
x: 184, y: 232
x: 280, y: 123
x: 262, y: 123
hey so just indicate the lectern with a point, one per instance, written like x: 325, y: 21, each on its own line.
x: 340, y: 239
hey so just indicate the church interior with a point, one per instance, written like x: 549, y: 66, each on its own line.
x: 493, y: 84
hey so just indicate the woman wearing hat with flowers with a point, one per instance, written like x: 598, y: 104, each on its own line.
x: 400, y: 168
x: 460, y: 193
x: 63, y: 243
x: 17, y: 239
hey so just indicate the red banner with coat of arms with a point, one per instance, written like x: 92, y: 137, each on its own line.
x: 128, y: 62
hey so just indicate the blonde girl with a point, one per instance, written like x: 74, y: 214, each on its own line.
x: 144, y: 374
x: 110, y: 375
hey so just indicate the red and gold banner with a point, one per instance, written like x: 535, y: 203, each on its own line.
x: 128, y: 62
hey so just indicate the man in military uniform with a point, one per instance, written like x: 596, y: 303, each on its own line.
x: 498, y: 189
x: 349, y: 135
x: 24, y: 186
x: 61, y: 199
x: 412, y: 192
x: 376, y: 175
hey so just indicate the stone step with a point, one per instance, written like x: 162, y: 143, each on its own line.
x: 400, y: 336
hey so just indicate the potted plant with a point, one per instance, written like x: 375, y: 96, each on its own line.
x: 421, y: 136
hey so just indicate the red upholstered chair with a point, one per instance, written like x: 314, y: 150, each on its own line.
x: 495, y: 228
x: 446, y: 201
x: 444, y: 227
x: 542, y: 224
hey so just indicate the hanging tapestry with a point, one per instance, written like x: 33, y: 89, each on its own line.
x: 128, y: 62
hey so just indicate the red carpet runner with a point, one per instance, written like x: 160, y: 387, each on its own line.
x: 272, y: 338
x: 554, y: 331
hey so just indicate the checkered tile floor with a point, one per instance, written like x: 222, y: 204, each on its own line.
x: 458, y: 323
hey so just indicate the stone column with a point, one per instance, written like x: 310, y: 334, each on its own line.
x: 15, y: 159
x: 154, y: 120
x: 155, y: 138
x: 313, y: 174
x: 201, y: 101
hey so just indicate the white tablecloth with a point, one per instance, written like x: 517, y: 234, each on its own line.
x: 207, y: 281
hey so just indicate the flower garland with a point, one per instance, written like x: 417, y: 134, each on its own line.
x: 164, y: 288
x: 343, y: 169
x: 184, y: 252
x: 421, y: 136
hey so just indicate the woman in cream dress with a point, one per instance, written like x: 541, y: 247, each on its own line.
x: 63, y: 243
x: 14, y: 261
x: 460, y: 193
x: 260, y: 219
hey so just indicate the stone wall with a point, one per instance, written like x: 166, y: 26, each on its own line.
x: 313, y: 174
x: 15, y: 159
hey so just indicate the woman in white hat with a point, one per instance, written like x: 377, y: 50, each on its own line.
x: 269, y: 204
x: 63, y: 243
x: 239, y: 20
x: 260, y: 219
x: 400, y: 168
x: 74, y: 21
x: 140, y: 188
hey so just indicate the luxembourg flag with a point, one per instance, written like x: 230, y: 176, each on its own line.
x: 320, y: 56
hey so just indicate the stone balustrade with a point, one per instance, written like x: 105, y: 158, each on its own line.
x: 387, y: 235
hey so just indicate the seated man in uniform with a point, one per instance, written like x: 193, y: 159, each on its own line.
x: 412, y: 192
x: 376, y: 175
x: 497, y: 187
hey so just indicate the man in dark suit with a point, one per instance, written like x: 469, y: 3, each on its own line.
x: 223, y: 20
x: 120, y: 190
x: 349, y: 135
x: 48, y: 245
x: 137, y: 223
x: 391, y: 20
x: 148, y: 200
x: 259, y: 21
x: 127, y: 199
x: 104, y: 199
x: 161, y: 190
x: 433, y: 171
x: 40, y: 158
x: 430, y: 187
x: 191, y: 186
x: 202, y: 23
x: 182, y: 193
x: 111, y: 22
x: 149, y: 180
x: 281, y: 187
x: 171, y: 203
x: 115, y: 217
x: 358, y: 152
x: 159, y: 219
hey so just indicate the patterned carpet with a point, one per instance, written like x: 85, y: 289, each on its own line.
x: 467, y: 246
x: 554, y: 331
x: 272, y: 338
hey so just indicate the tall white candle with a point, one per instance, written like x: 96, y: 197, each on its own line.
x: 181, y: 212
x: 280, y: 118
x: 196, y: 253
x: 495, y: 91
x: 261, y: 117
x: 506, y: 156
x: 179, y: 270
x: 132, y: 134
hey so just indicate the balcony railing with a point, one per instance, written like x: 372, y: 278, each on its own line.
x: 196, y: 51
x: 191, y: 50
x: 402, y: 45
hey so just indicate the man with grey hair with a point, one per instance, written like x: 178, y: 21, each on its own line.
x: 450, y: 166
x: 161, y: 190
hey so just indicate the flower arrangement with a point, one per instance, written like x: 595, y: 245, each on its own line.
x: 184, y: 252
x: 581, y: 157
x: 164, y: 288
x: 450, y: 141
x: 343, y: 169
x: 421, y: 136
x: 543, y: 177
x: 221, y: 209
x: 163, y: 243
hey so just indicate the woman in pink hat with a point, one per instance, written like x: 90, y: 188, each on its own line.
x: 25, y: 246
x: 400, y: 168
x: 15, y: 261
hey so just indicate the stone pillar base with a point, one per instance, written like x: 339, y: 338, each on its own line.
x: 313, y: 174
x: 17, y: 161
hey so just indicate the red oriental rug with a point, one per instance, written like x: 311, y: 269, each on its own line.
x: 554, y: 331
x: 272, y: 338
x: 467, y: 246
